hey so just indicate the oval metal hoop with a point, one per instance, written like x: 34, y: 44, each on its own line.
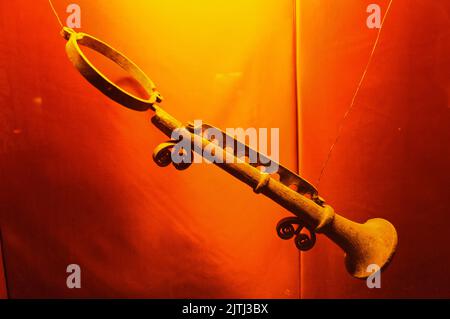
x: 99, y: 80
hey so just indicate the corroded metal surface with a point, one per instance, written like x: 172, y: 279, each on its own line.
x: 373, y: 242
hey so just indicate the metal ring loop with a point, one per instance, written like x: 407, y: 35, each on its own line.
x: 99, y: 80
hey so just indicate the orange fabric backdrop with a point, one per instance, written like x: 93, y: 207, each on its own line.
x: 392, y: 158
x: 77, y: 182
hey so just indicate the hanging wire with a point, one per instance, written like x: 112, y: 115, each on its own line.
x: 55, y: 13
x: 352, y: 104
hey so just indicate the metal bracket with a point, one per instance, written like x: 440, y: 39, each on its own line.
x: 285, y: 176
x: 286, y: 231
x: 162, y: 155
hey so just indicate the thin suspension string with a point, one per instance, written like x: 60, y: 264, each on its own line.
x: 55, y: 13
x: 352, y: 104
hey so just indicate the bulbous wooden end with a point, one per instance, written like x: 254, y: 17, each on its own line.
x: 375, y: 243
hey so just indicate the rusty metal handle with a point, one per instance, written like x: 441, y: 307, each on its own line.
x: 373, y: 242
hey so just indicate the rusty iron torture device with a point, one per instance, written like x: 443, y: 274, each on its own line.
x: 373, y: 242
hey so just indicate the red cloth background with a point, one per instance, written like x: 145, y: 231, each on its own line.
x: 77, y: 182
x: 392, y: 159
x: 3, y: 287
